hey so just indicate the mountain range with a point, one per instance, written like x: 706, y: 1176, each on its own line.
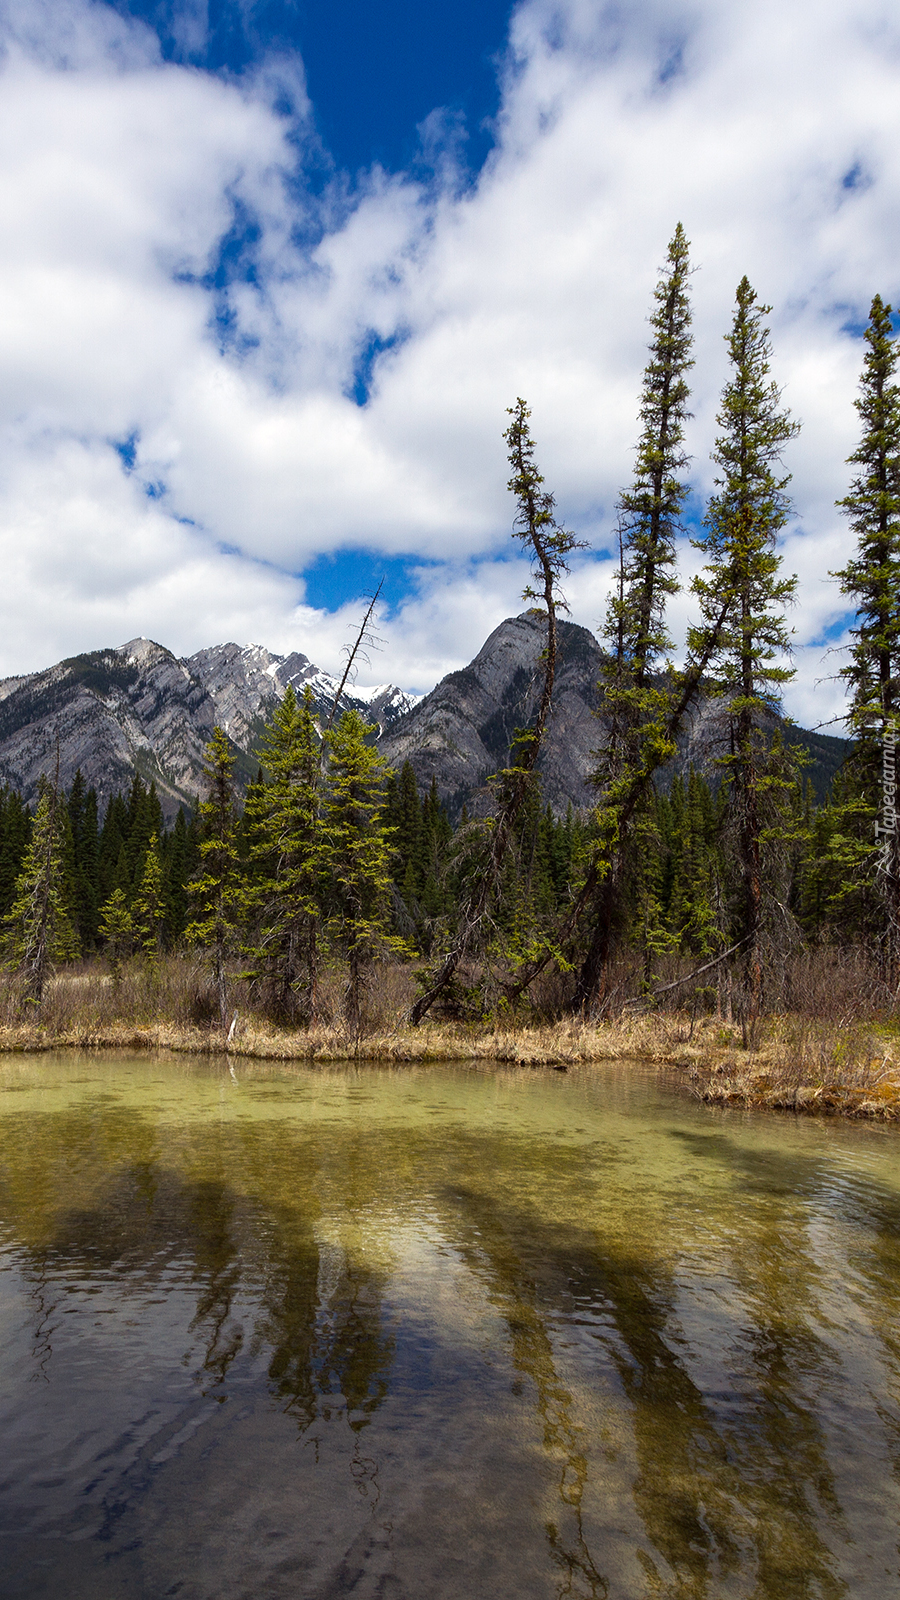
x: 138, y: 708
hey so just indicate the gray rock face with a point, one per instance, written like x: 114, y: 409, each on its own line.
x: 138, y: 708
x: 460, y: 733
x: 112, y: 713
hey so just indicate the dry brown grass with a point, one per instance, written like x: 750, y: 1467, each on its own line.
x: 804, y: 1062
x: 814, y: 1066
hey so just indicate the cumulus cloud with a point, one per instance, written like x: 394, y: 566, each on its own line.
x: 186, y: 327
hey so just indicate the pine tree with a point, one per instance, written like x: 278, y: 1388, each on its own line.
x: 286, y: 835
x: 638, y: 708
x: 742, y: 583
x: 145, y: 818
x: 435, y: 834
x: 15, y: 832
x: 403, y: 810
x: 650, y: 511
x: 358, y: 846
x: 39, y: 929
x: 217, y: 894
x: 181, y: 859
x: 695, y: 894
x: 82, y: 808
x: 113, y: 835
x: 549, y: 546
x: 868, y: 834
x: 149, y: 908
x: 116, y: 930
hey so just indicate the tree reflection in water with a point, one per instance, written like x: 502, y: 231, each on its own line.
x: 146, y: 1217
x: 489, y: 1246
x: 675, y: 1355
x: 685, y: 1490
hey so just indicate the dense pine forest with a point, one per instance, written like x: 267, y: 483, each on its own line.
x: 717, y: 889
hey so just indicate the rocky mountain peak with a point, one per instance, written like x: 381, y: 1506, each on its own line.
x: 137, y: 707
x: 138, y: 652
x: 460, y: 733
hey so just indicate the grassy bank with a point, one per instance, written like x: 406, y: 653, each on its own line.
x: 802, y: 1064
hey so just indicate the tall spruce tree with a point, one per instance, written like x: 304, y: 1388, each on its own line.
x: 742, y: 582
x: 868, y: 836
x: 636, y: 706
x: 180, y: 860
x: 357, y: 847
x: 549, y: 546
x: 217, y: 894
x: 287, y: 845
x: 15, y: 832
x: 149, y: 908
x: 39, y: 926
x: 116, y: 929
x: 82, y: 807
x: 650, y: 510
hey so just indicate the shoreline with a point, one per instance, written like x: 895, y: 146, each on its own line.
x: 852, y: 1074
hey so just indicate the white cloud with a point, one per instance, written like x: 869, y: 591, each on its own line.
x: 772, y: 132
x: 98, y: 559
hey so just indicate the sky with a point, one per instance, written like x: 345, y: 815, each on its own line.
x: 272, y: 274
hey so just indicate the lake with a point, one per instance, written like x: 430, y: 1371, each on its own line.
x: 446, y: 1331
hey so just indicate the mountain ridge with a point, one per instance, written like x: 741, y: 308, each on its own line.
x: 138, y: 708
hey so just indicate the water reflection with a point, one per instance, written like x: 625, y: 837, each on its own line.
x: 495, y: 1248
x: 685, y: 1490
x: 529, y: 1337
x: 315, y: 1309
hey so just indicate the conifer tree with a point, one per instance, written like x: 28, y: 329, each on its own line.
x: 217, y: 894
x: 868, y: 835
x: 145, y: 819
x: 358, y: 847
x: 116, y: 930
x: 695, y: 892
x: 82, y: 808
x: 637, y: 708
x: 650, y: 510
x: 435, y: 835
x: 181, y: 861
x: 287, y: 844
x: 835, y: 891
x: 742, y: 583
x: 549, y: 546
x: 15, y: 832
x: 149, y: 908
x: 403, y: 809
x: 113, y: 867
x: 39, y: 928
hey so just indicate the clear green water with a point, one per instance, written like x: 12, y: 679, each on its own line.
x: 439, y: 1333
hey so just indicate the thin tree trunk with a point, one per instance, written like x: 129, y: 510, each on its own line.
x: 601, y: 890
x: 221, y: 983
x: 549, y: 550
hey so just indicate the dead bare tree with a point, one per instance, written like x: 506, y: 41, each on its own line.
x: 365, y: 637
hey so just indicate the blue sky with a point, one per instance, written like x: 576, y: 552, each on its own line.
x: 373, y: 72
x: 270, y: 277
x: 374, y: 75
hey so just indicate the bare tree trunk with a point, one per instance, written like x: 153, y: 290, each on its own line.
x: 221, y: 983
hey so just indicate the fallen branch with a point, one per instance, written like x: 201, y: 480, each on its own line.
x: 655, y: 993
